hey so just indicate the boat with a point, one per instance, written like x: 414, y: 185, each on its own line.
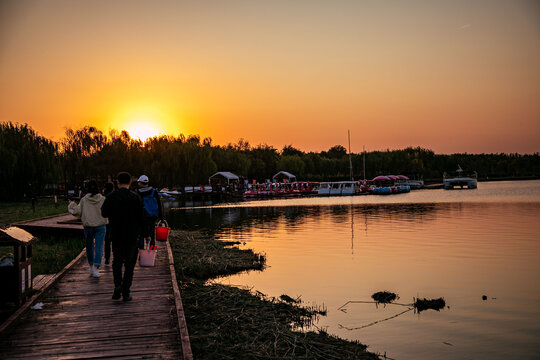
x: 305, y: 187
x: 460, y: 178
x: 349, y: 187
x: 258, y: 191
x: 169, y: 192
x: 412, y: 183
x: 335, y: 188
x: 381, y: 190
x: 324, y: 188
x: 390, y: 184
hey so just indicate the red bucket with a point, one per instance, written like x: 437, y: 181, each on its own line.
x: 162, y: 231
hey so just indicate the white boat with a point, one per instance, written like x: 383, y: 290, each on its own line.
x: 348, y: 187
x: 335, y: 188
x: 338, y: 188
x: 413, y: 184
x: 460, y: 179
x: 324, y: 188
x: 168, y: 192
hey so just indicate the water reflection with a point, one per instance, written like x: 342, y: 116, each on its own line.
x: 334, y: 253
x: 293, y: 217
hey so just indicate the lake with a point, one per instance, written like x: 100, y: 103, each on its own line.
x: 462, y: 245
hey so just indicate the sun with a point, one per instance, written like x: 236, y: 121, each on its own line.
x: 143, y: 129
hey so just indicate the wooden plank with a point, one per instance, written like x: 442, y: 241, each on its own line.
x: 184, y: 335
x: 54, y: 223
x: 80, y: 320
x: 17, y: 314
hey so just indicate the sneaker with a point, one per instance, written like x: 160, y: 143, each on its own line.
x: 107, y: 263
x: 127, y: 298
x: 117, y: 293
x: 96, y: 273
x: 91, y: 270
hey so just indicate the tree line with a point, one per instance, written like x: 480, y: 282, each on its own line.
x: 32, y: 164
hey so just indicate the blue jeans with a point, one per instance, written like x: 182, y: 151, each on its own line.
x: 94, y: 236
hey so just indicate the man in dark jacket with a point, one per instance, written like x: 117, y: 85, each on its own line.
x: 152, y: 207
x: 126, y: 218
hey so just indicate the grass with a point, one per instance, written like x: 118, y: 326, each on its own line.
x: 11, y: 212
x: 53, y: 253
x: 50, y: 253
x: 227, y: 322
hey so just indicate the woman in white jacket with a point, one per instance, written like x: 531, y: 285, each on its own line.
x: 89, y: 210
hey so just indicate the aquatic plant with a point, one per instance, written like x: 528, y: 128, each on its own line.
x: 426, y: 304
x: 384, y: 297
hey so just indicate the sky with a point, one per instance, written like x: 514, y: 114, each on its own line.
x: 451, y: 76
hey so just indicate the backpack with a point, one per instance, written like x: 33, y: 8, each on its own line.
x: 151, y: 205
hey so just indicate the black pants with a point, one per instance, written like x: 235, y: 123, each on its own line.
x: 124, y: 255
x: 150, y: 225
x: 108, y: 245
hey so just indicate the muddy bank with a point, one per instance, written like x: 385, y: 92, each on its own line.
x: 226, y: 322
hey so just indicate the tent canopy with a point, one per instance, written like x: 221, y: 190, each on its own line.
x: 381, y: 178
x: 225, y: 174
x: 290, y: 177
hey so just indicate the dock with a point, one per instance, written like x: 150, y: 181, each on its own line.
x: 55, y: 224
x: 79, y: 320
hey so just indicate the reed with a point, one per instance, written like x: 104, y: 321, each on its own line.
x: 227, y: 322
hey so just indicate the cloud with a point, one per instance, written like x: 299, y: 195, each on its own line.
x: 463, y: 27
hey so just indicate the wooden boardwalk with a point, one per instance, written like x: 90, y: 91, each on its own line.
x: 79, y: 320
x: 63, y: 223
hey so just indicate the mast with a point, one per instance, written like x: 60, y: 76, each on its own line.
x: 364, y: 163
x: 350, y: 159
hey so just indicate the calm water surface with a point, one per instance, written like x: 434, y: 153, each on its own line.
x: 459, y: 245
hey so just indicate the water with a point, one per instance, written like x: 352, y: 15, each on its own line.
x: 459, y: 245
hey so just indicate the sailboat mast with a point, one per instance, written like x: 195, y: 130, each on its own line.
x: 364, y: 163
x: 350, y: 159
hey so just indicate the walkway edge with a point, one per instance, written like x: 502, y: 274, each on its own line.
x: 182, y: 326
x: 17, y: 314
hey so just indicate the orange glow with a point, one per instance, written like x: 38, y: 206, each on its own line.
x: 143, y: 122
x: 451, y: 77
x: 143, y: 129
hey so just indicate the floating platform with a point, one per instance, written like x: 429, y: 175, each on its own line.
x: 63, y: 223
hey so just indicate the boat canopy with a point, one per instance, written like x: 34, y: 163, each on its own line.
x: 381, y: 178
x: 225, y: 174
x: 402, y: 177
x: 290, y: 177
x: 392, y: 177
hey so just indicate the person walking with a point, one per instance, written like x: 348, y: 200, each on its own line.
x: 109, y: 187
x: 126, y: 216
x: 89, y: 210
x: 152, y: 207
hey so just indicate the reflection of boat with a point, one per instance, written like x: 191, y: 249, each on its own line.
x: 460, y: 178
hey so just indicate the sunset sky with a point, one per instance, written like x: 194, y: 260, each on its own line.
x: 452, y: 76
